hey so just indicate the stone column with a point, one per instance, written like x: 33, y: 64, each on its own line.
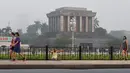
x: 86, y: 24
x: 75, y: 24
x: 61, y: 23
x: 80, y: 23
x: 58, y: 23
x: 68, y: 23
x: 54, y: 24
x: 93, y: 24
x: 50, y: 24
x: 89, y: 24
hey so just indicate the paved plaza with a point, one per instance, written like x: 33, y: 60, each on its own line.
x: 68, y: 64
x: 64, y: 62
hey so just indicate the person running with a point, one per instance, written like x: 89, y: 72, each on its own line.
x: 124, y: 47
x: 55, y: 54
x: 11, y: 45
x: 17, y: 47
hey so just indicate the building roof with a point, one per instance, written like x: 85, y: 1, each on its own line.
x: 72, y: 11
x: 72, y: 8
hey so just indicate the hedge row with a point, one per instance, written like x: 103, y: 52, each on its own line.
x: 66, y: 57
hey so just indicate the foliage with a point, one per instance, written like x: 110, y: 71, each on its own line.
x: 67, y: 57
x: 117, y: 34
x: 96, y: 23
x: 41, y: 40
x: 62, y: 41
x: 44, y: 28
x: 32, y: 31
x: 25, y: 38
x: 20, y: 31
x: 115, y: 42
x: 5, y: 31
x: 100, y: 31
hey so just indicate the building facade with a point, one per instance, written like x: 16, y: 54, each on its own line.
x: 59, y: 20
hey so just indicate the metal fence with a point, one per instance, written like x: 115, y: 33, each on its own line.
x: 69, y: 53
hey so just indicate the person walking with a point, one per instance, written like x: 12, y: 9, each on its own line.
x: 124, y: 47
x: 17, y: 47
x: 11, y: 45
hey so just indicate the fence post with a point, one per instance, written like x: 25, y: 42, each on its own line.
x: 80, y: 52
x: 111, y: 53
x: 46, y: 52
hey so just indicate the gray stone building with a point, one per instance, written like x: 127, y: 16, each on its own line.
x: 59, y: 20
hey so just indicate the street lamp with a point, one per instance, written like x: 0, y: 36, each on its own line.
x: 72, y: 26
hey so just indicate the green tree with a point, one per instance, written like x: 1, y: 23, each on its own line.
x: 6, y: 31
x: 96, y: 23
x: 62, y: 41
x: 0, y: 32
x: 33, y: 29
x: 20, y: 31
x: 25, y: 38
x: 118, y: 34
x: 100, y: 31
x: 31, y: 33
x: 41, y: 40
x: 37, y: 24
x: 44, y: 28
x: 115, y: 42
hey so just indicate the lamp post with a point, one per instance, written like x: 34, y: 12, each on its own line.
x: 72, y: 26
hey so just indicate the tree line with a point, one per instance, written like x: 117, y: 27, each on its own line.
x: 38, y: 33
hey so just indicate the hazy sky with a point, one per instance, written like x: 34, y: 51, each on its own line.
x: 113, y: 14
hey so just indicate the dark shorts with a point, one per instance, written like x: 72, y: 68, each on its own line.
x: 124, y: 49
x: 12, y: 48
x: 17, y: 50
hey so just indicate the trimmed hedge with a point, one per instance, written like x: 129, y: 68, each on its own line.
x: 66, y: 57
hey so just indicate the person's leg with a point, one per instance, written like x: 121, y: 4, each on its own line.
x: 123, y: 54
x: 10, y: 54
x: 24, y: 58
x: 18, y: 50
x: 13, y: 56
x: 53, y: 58
x: 14, y: 52
x: 126, y: 55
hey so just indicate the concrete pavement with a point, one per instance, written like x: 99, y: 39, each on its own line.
x: 66, y: 64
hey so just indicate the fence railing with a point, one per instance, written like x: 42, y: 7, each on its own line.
x: 78, y: 53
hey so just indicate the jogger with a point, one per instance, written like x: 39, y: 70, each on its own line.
x: 11, y: 45
x: 124, y: 47
x: 17, y: 47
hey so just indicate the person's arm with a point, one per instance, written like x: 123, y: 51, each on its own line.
x: 121, y: 47
x: 18, y: 40
x: 16, y: 43
x: 59, y: 51
x: 13, y: 43
x: 127, y: 44
x: 51, y: 52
